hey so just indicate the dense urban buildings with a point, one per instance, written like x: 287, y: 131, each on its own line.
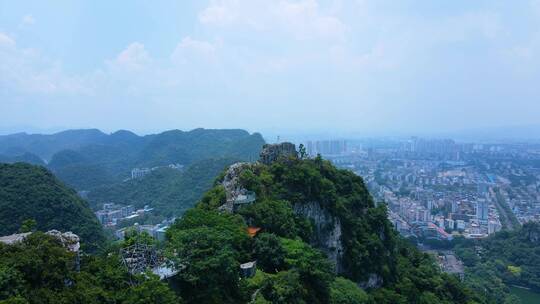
x: 437, y: 189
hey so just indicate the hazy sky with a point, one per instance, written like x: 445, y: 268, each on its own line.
x: 369, y: 66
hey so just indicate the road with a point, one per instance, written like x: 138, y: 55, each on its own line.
x: 508, y: 219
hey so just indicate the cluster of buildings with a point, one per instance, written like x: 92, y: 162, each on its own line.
x: 440, y: 189
x: 326, y: 147
x: 141, y: 172
x: 112, y: 214
x: 443, y: 220
x: 520, y: 189
x: 157, y: 231
x: 430, y: 200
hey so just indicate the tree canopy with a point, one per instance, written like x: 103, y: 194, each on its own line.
x: 31, y: 193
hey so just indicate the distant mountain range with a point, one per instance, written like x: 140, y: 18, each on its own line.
x: 102, y: 163
x: 106, y: 158
x: 47, y: 145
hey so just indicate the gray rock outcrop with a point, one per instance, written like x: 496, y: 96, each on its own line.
x: 232, y: 185
x: 327, y: 231
x: 272, y: 152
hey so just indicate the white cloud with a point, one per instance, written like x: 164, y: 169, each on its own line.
x: 303, y: 19
x: 191, y: 49
x: 27, y: 70
x: 134, y: 57
x: 6, y: 41
x: 28, y: 20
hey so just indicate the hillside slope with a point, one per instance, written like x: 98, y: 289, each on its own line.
x: 507, y: 258
x: 169, y: 191
x: 112, y: 159
x: 318, y: 237
x: 32, y: 192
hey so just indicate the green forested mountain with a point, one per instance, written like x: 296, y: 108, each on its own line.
x: 102, y: 163
x: 504, y: 259
x: 112, y: 159
x: 105, y: 158
x: 30, y: 192
x: 169, y: 191
x: 45, y: 146
x: 321, y: 238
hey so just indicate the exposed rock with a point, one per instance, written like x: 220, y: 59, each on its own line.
x: 272, y: 152
x: 68, y: 239
x: 374, y: 281
x: 14, y: 238
x: 327, y: 231
x: 232, y: 185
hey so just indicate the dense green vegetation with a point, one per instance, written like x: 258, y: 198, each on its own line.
x: 30, y: 192
x: 40, y: 270
x: 526, y: 296
x: 169, y: 191
x: 290, y: 267
x: 208, y: 245
x: 85, y: 159
x: 101, y: 164
x: 506, y: 258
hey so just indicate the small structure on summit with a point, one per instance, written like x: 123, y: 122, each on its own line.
x: 237, y: 195
x: 243, y: 198
x: 248, y: 270
x: 252, y: 231
x: 272, y: 152
x: 141, y: 257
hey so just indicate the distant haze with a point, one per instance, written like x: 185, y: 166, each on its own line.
x: 369, y: 67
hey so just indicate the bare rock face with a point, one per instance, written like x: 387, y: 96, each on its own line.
x: 374, y: 281
x: 327, y: 231
x: 68, y: 239
x: 271, y: 153
x: 232, y: 185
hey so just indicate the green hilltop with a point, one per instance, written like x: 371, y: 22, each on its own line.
x: 322, y: 239
x: 29, y: 192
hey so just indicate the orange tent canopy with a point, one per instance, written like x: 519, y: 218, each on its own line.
x: 252, y: 231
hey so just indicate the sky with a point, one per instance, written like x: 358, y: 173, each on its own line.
x: 364, y: 66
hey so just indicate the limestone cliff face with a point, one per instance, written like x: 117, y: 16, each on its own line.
x: 232, y: 185
x: 374, y: 281
x: 327, y: 231
x: 327, y: 228
x: 327, y: 238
